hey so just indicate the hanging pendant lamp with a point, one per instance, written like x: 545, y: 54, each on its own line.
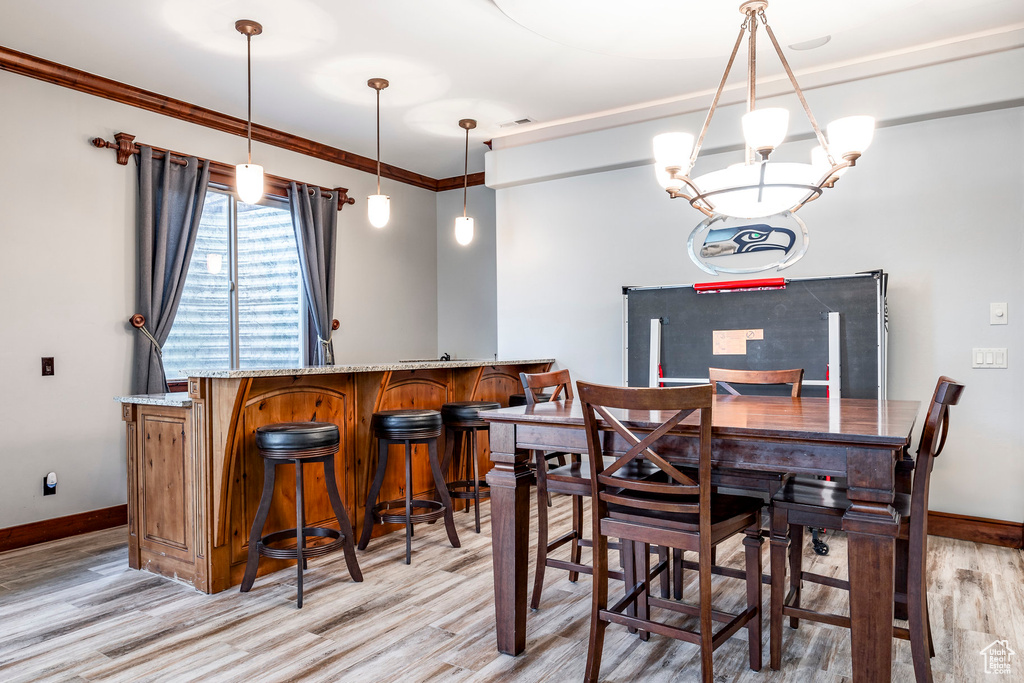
x: 759, y: 187
x: 464, y: 223
x: 249, y: 176
x: 378, y: 206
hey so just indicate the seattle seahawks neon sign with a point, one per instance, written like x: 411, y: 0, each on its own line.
x: 722, y: 244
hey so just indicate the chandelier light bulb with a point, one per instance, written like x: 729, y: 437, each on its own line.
x: 765, y: 129
x: 378, y: 209
x: 464, y: 230
x: 249, y: 182
x: 850, y: 136
x: 672, y: 150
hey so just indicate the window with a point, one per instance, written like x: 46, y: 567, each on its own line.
x: 259, y: 322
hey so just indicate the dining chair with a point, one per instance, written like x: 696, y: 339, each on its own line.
x: 766, y: 484
x: 811, y: 502
x: 644, y: 500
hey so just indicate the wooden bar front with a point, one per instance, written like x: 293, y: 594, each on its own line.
x: 195, y: 476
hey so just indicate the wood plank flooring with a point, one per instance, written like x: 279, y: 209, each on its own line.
x: 72, y: 610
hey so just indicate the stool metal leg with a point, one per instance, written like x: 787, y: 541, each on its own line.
x: 442, y: 491
x: 252, y: 563
x: 408, y: 501
x: 300, y: 530
x: 476, y: 482
x: 343, y: 522
x: 371, y: 497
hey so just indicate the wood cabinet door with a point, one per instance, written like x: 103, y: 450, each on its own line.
x: 166, y: 500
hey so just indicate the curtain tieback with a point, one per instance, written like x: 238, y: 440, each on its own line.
x: 138, y: 321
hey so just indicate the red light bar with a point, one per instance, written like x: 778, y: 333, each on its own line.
x: 740, y: 285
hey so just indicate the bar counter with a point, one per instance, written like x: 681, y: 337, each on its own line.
x: 195, y: 476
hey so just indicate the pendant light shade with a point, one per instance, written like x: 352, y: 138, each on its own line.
x: 378, y: 206
x: 464, y: 230
x: 249, y: 182
x: 378, y: 209
x: 851, y: 135
x: 765, y: 129
x: 249, y: 176
x: 464, y: 224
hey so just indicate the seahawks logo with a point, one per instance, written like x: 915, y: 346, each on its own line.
x: 737, y: 246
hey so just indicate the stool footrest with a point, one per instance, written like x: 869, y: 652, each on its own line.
x: 292, y: 553
x: 394, y: 512
x: 464, y: 490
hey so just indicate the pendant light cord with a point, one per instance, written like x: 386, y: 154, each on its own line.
x: 248, y: 79
x: 465, y: 184
x: 378, y: 140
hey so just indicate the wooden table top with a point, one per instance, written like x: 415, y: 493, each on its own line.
x: 848, y: 420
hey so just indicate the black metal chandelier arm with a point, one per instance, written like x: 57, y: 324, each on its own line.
x: 718, y: 95
x: 799, y: 91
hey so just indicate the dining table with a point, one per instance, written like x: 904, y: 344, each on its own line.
x: 864, y: 441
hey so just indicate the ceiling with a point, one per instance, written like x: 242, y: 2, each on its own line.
x: 493, y: 60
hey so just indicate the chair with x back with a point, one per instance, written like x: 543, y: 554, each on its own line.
x: 811, y: 502
x: 644, y: 500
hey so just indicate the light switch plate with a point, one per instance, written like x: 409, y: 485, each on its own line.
x: 988, y: 358
x: 997, y: 314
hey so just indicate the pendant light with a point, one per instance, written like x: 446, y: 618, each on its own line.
x: 758, y: 186
x: 249, y: 176
x: 464, y: 223
x: 378, y: 206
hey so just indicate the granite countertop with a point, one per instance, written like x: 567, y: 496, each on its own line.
x: 368, y: 367
x: 176, y: 398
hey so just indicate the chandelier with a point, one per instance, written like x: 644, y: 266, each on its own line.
x: 758, y: 187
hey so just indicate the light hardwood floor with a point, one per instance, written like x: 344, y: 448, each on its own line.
x: 73, y: 610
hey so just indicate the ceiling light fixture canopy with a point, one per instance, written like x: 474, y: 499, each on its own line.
x: 464, y: 223
x: 758, y: 187
x: 249, y: 176
x: 378, y: 206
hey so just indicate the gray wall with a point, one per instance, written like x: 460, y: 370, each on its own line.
x: 937, y: 203
x: 67, y: 260
x: 467, y: 296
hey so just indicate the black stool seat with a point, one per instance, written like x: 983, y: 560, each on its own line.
x: 297, y: 436
x: 466, y: 412
x: 406, y: 424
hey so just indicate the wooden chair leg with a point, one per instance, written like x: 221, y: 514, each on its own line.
x: 707, y: 673
x: 344, y: 525
x: 779, y: 550
x: 752, y: 544
x: 677, y: 573
x: 542, y: 536
x: 575, y: 551
x: 796, y: 567
x: 642, y: 574
x: 371, y: 497
x: 599, y: 602
x: 442, y: 492
x: 663, y: 555
x: 628, y: 575
x: 408, y: 501
x: 256, y: 533
x: 300, y: 528
x: 476, y: 481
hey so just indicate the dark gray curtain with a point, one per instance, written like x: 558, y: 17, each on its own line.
x: 170, y: 206
x: 315, y: 219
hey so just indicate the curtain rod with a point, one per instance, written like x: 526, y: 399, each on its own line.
x: 221, y: 173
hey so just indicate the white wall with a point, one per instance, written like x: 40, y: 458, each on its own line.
x: 938, y: 204
x: 67, y: 262
x: 466, y: 280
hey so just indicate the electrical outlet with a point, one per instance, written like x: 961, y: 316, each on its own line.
x: 47, y: 366
x: 50, y: 484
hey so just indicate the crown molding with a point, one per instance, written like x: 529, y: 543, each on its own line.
x: 99, y: 86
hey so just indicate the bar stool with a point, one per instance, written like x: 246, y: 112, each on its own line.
x: 407, y: 427
x: 295, y: 443
x: 462, y: 419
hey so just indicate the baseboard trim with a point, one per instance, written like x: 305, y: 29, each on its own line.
x: 977, y: 529
x: 62, y: 527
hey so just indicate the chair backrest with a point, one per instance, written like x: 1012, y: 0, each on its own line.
x: 933, y: 439
x: 558, y: 381
x: 726, y: 377
x: 669, y: 489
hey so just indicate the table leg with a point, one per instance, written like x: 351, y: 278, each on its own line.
x: 509, y: 481
x: 871, y: 525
